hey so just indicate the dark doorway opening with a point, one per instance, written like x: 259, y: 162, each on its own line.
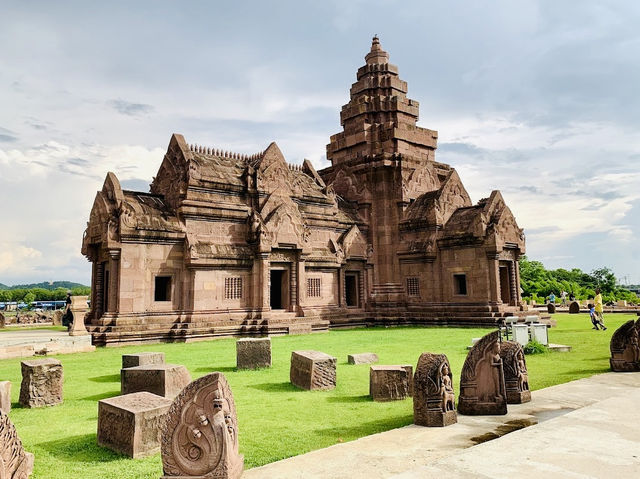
x: 277, y: 290
x: 351, y: 289
x: 505, y: 289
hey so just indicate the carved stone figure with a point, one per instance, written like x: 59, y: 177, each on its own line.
x: 516, y: 377
x: 130, y: 424
x: 200, y: 435
x: 389, y: 383
x: 41, y: 383
x: 482, y: 387
x: 434, y: 397
x: 253, y: 353
x: 625, y: 349
x: 15, y: 462
x: 312, y: 370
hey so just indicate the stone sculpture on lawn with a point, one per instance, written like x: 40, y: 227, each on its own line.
x: 200, y: 435
x: 516, y: 377
x: 15, y: 462
x: 434, y: 397
x: 625, y: 347
x: 482, y: 388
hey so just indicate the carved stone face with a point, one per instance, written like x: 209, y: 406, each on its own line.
x: 445, y: 369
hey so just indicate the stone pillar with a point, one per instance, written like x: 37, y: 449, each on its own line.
x: 79, y: 310
x: 261, y: 282
x: 512, y: 283
x: 99, y: 293
x: 302, y: 286
x: 494, y: 278
x: 293, y: 287
x: 113, y: 302
x: 517, y: 268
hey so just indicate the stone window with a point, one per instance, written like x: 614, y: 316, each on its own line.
x: 162, y: 290
x: 313, y: 287
x: 460, y: 284
x: 413, y: 286
x: 232, y: 288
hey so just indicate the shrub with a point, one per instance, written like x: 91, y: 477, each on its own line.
x: 534, y: 347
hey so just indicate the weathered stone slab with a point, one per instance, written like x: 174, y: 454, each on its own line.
x: 165, y: 380
x: 253, y: 353
x: 41, y: 383
x: 389, y: 383
x: 362, y: 358
x: 15, y: 462
x: 200, y: 435
x: 574, y: 307
x: 130, y: 424
x: 141, y: 359
x: 516, y: 377
x: 312, y: 370
x: 5, y: 396
x: 434, y: 398
x: 300, y: 328
x: 482, y: 388
x: 625, y: 348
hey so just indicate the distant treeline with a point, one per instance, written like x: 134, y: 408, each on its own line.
x: 45, y: 285
x: 538, y: 283
x: 41, y: 294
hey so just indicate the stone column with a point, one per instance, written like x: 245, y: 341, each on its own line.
x: 113, y: 301
x: 302, y: 285
x: 512, y: 283
x: 79, y: 310
x: 293, y: 287
x: 494, y: 278
x: 261, y: 282
x: 99, y: 294
x: 517, y: 269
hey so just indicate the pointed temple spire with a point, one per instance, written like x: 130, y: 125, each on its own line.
x: 380, y: 121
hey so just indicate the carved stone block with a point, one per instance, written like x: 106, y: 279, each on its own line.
x: 482, y: 388
x: 312, y: 370
x: 551, y: 308
x: 41, y: 383
x: 516, y: 377
x: 253, y: 353
x: 434, y: 398
x: 389, y: 383
x: 141, y: 359
x: 15, y: 462
x: 5, y: 396
x: 165, y: 380
x: 574, y: 307
x: 130, y: 424
x: 362, y: 358
x: 200, y: 435
x: 56, y: 318
x: 2, y: 321
x: 625, y: 348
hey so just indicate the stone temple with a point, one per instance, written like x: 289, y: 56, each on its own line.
x: 233, y: 244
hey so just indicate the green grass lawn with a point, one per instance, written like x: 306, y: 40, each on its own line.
x: 276, y: 420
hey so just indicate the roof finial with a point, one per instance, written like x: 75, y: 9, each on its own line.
x: 377, y: 54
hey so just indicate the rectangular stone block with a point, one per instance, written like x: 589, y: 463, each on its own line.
x: 540, y: 334
x: 165, y: 380
x: 362, y: 358
x: 41, y: 383
x: 389, y: 383
x: 141, y: 359
x: 312, y: 370
x: 253, y: 353
x: 521, y: 334
x: 5, y: 396
x: 130, y: 424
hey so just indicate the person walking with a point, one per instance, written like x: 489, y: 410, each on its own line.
x: 598, y: 308
x: 563, y: 297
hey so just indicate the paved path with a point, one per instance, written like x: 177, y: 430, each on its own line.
x: 31, y: 342
x: 585, y: 429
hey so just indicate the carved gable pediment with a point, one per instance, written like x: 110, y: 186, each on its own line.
x: 173, y: 176
x: 283, y: 223
x: 347, y: 186
x: 418, y: 181
x: 502, y: 222
x: 354, y: 244
x: 104, y: 219
x: 273, y: 174
x: 451, y: 196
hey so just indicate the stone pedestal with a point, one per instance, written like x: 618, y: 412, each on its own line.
x: 362, y: 358
x: 434, y: 398
x: 574, y: 307
x: 141, y: 359
x: 389, y: 383
x: 130, y: 424
x: 312, y: 370
x: 79, y: 309
x: 41, y: 383
x: 165, y: 380
x: 5, y: 396
x: 253, y: 353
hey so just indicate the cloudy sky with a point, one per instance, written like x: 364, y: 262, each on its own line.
x: 539, y: 99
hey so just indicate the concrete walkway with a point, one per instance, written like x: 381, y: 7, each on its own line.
x: 583, y: 429
x: 31, y: 342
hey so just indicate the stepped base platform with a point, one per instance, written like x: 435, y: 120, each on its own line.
x: 41, y: 342
x: 116, y: 330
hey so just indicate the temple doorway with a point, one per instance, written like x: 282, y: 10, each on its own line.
x: 351, y: 289
x: 279, y: 292
x: 505, y: 289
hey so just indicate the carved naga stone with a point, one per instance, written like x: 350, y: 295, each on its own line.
x: 200, y: 435
x: 625, y: 348
x: 516, y: 377
x: 482, y: 388
x: 433, y: 396
x: 15, y: 462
